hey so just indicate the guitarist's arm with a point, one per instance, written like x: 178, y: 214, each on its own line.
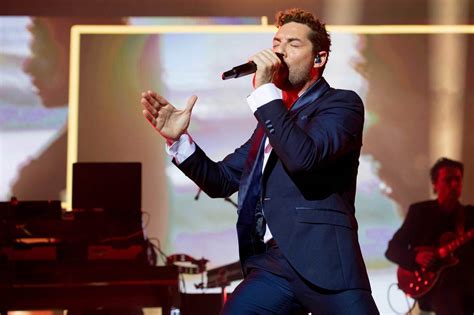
x: 401, y: 249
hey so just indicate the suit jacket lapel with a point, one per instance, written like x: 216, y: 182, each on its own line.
x: 248, y: 189
x: 249, y: 192
x: 310, y: 96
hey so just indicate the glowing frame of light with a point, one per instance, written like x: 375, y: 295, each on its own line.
x: 79, y: 30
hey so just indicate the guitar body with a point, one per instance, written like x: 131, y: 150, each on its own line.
x: 419, y: 282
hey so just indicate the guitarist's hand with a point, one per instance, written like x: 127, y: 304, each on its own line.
x: 425, y: 259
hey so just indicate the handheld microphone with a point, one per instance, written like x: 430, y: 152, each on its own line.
x: 240, y: 71
x: 243, y: 69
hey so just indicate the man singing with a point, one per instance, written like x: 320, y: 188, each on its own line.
x: 296, y: 178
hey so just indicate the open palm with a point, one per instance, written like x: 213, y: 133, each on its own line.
x: 169, y: 121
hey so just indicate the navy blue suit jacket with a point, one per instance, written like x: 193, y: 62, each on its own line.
x: 308, y: 186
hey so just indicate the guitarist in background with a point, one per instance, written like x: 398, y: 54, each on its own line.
x: 425, y: 225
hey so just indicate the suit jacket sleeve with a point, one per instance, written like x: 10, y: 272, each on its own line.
x: 331, y: 131
x: 401, y: 249
x: 217, y: 179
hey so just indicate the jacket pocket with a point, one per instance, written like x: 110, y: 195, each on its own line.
x: 323, y: 216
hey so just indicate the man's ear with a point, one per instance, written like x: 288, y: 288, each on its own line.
x: 320, y: 59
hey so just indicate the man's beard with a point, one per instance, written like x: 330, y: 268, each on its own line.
x: 291, y: 80
x: 299, y: 79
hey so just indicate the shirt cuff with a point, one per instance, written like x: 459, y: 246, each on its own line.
x: 262, y: 95
x: 181, y: 149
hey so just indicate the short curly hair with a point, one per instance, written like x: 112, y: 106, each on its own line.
x: 319, y: 35
x: 444, y: 162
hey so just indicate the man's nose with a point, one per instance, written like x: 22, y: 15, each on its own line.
x: 279, y: 50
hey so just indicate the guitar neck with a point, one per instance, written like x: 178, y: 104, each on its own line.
x: 450, y: 247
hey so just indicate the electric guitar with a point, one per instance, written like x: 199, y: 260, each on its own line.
x: 419, y: 282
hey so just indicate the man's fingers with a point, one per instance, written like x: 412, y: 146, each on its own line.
x: 154, y: 99
x: 150, y: 102
x: 161, y: 100
x: 262, y: 59
x: 151, y: 119
x: 148, y: 106
x: 151, y: 94
x: 190, y: 104
x: 268, y: 53
x: 267, y: 57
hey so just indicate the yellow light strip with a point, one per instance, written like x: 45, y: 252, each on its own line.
x: 160, y: 29
x: 73, y: 112
x: 402, y: 29
x: 79, y: 30
x: 355, y: 29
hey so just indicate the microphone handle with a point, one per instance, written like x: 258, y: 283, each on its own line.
x: 240, y: 71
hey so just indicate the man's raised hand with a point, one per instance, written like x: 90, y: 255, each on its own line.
x: 170, y: 122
